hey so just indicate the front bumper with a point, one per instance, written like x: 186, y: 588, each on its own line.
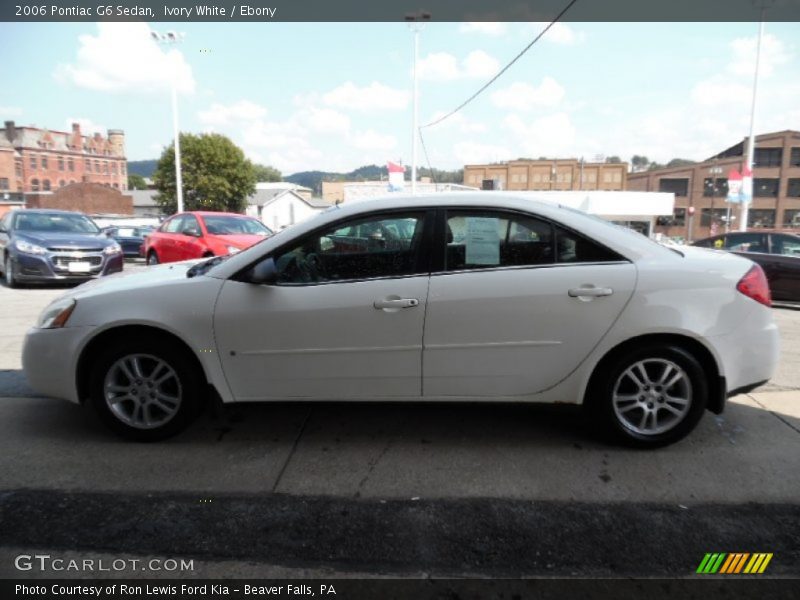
x: 56, y: 266
x: 49, y: 360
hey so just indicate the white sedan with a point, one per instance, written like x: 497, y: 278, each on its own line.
x: 464, y: 297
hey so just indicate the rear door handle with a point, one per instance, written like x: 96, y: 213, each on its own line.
x: 592, y: 291
x: 389, y: 303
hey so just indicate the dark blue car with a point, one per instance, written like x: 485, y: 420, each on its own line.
x: 41, y: 245
x: 129, y: 238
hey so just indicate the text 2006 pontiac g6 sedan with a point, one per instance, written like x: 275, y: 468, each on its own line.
x: 467, y: 297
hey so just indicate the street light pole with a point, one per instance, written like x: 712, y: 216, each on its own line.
x: 173, y: 38
x: 415, y: 24
x: 751, y: 146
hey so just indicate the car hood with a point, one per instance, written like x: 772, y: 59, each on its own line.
x: 151, y: 276
x: 68, y: 240
x: 239, y: 240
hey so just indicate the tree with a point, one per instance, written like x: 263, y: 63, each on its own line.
x: 639, y: 163
x: 216, y: 175
x: 680, y: 162
x: 267, y: 173
x: 136, y: 182
x: 613, y: 160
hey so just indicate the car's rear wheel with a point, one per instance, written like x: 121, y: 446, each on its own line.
x: 145, y: 390
x: 8, y: 273
x: 152, y: 258
x: 651, y: 396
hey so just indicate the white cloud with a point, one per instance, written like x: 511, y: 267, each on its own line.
x: 443, y: 66
x: 524, y: 96
x: 719, y: 90
x: 372, y: 140
x: 475, y: 152
x: 375, y: 96
x: 438, y: 66
x: 485, y: 27
x: 88, y: 127
x: 10, y: 111
x: 479, y: 64
x: 327, y: 121
x: 559, y: 33
x: 220, y: 114
x: 550, y: 135
x: 773, y: 53
x: 123, y: 58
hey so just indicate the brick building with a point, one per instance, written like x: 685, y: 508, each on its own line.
x: 88, y: 198
x: 546, y: 174
x: 35, y: 160
x: 703, y: 186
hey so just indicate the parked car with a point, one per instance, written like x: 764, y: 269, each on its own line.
x: 516, y: 301
x: 130, y: 239
x: 39, y: 245
x: 777, y: 253
x: 202, y: 234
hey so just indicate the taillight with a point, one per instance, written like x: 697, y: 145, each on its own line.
x: 754, y: 285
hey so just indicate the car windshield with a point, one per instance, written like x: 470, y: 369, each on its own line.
x: 55, y: 223
x: 223, y: 225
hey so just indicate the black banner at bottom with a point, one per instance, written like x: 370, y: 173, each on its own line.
x: 705, y: 588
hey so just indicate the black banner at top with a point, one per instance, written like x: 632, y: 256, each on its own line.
x: 255, y: 11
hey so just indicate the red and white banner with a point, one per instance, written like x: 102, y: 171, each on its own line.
x: 397, y: 174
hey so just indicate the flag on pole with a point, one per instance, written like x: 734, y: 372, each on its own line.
x: 734, y: 187
x: 397, y: 174
x: 747, y: 186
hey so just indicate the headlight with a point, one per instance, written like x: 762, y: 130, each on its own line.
x: 57, y: 314
x: 233, y: 249
x: 112, y: 249
x: 29, y: 248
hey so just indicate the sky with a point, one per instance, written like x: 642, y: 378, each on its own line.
x: 335, y: 96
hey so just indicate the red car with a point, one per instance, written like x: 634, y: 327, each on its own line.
x: 198, y: 234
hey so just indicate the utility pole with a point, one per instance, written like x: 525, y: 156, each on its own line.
x: 416, y: 24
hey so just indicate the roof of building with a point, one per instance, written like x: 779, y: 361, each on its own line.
x: 144, y: 198
x: 268, y: 196
x: 281, y: 185
x: 57, y: 141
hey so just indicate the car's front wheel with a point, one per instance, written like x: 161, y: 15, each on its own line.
x: 152, y: 258
x: 8, y: 273
x: 651, y: 396
x: 145, y: 390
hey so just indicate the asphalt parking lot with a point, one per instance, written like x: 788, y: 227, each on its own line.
x: 335, y: 489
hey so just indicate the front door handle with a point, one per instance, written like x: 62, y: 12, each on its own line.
x: 390, y: 303
x: 590, y: 291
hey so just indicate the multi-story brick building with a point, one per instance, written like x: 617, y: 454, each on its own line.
x: 702, y: 187
x: 545, y: 174
x: 45, y: 160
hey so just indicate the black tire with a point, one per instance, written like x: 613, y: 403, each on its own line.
x: 622, y: 421
x: 185, y: 383
x: 152, y: 258
x: 8, y: 273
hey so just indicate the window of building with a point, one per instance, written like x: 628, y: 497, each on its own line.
x: 70, y: 164
x: 766, y: 188
x: 793, y: 188
x: 761, y: 217
x: 717, y: 188
x: 122, y: 168
x: 116, y: 187
x: 34, y: 162
x: 768, y: 157
x: 44, y: 162
x: 794, y: 158
x: 4, y: 183
x: 617, y: 177
x: 61, y: 183
x: 113, y: 168
x: 678, y: 219
x: 720, y: 215
x: 18, y: 168
x: 60, y: 163
x: 564, y: 177
x: 523, y: 177
x: 34, y: 185
x: 607, y: 177
x: 590, y: 177
x: 105, y: 167
x: 514, y: 178
x: 791, y: 218
x: 46, y: 185
x: 677, y: 186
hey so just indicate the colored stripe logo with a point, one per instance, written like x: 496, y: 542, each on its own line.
x: 734, y: 563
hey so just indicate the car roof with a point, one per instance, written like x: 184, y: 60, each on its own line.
x: 212, y: 213
x: 47, y: 211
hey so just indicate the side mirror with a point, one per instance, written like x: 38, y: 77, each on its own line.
x: 109, y: 233
x: 263, y: 273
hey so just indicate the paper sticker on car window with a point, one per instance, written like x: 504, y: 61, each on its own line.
x: 482, y: 241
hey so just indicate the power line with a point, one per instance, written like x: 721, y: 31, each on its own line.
x: 427, y: 159
x: 503, y: 70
